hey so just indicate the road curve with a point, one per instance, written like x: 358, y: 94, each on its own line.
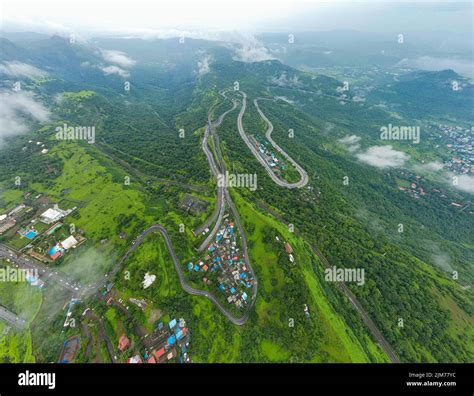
x: 211, y: 126
x: 304, y: 176
x: 223, y: 197
x: 187, y: 288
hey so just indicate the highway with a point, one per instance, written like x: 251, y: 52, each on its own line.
x: 44, y: 272
x: 304, y: 176
x: 12, y: 318
x: 211, y: 126
x: 216, y: 217
x: 223, y: 198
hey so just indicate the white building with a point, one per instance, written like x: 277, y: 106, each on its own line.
x: 69, y: 242
x: 51, y: 215
x: 54, y: 214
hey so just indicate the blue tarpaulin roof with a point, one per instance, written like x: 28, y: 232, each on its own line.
x: 172, y: 323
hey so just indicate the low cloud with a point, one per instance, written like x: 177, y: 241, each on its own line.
x: 248, y: 49
x: 248, y: 53
x: 350, y: 139
x: 204, y: 65
x: 442, y: 260
x: 17, y: 109
x: 436, y: 256
x: 285, y: 81
x: 352, y: 142
x: 285, y: 99
x: 114, y: 70
x: 118, y: 58
x: 383, y: 157
x: 19, y: 69
x: 429, y: 167
x: 89, y: 265
x: 464, y: 183
x: 463, y: 67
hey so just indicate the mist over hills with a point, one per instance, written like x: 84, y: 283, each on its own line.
x: 328, y: 96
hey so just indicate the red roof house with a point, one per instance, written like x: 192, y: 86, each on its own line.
x: 124, y: 343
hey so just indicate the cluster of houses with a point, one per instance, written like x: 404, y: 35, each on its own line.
x: 52, y: 246
x: 414, y: 189
x: 461, y: 148
x: 269, y: 156
x: 167, y: 343
x: 8, y: 220
x: 34, y: 227
x: 224, y: 267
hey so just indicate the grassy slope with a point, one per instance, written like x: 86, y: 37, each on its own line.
x: 24, y: 300
x: 216, y: 340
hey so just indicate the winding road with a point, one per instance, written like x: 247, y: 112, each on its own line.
x: 304, y: 176
x: 223, y: 198
x: 186, y: 287
x: 216, y: 170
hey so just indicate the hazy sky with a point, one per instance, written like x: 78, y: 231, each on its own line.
x: 144, y: 16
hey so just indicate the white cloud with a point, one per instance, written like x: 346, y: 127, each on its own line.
x: 119, y: 58
x: 248, y: 53
x: 15, y: 110
x: 442, y: 260
x: 19, y: 69
x: 383, y: 157
x: 463, y: 183
x: 247, y: 48
x: 114, y: 70
x: 285, y: 99
x: 284, y: 81
x: 352, y: 142
x: 204, y: 65
x: 429, y: 167
x: 460, y: 66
